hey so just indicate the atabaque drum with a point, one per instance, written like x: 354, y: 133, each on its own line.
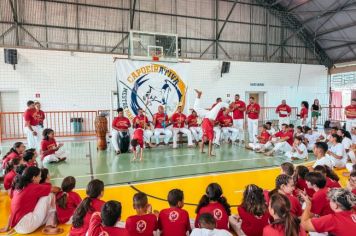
x: 101, y: 128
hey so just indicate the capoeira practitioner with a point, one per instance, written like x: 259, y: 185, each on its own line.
x: 209, y: 117
x: 239, y: 108
x: 263, y: 138
x: 141, y: 121
x: 161, y: 122
x: 283, y: 112
x: 193, y: 126
x: 229, y: 132
x: 178, y: 120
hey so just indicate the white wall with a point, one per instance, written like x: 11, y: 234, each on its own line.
x: 84, y: 81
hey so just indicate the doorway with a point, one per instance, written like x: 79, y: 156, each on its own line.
x: 258, y: 95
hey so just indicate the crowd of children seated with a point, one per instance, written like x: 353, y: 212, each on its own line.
x: 304, y: 200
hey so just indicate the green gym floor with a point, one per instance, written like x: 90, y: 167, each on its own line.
x: 84, y: 162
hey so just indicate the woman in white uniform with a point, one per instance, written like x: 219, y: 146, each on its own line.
x: 337, y: 152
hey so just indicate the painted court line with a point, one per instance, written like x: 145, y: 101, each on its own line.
x: 166, y: 167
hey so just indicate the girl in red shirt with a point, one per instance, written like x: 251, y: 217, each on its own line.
x: 15, y: 152
x: 39, y: 208
x: 300, y: 182
x: 284, y: 222
x: 89, y: 205
x: 49, y: 148
x: 67, y: 201
x: 137, y: 140
x: 29, y: 157
x: 304, y: 113
x: 10, y: 172
x: 332, y: 180
x: 253, y: 212
x: 215, y: 203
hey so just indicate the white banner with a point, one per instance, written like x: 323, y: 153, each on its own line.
x: 147, y: 85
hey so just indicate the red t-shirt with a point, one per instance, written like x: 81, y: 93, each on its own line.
x: 96, y: 228
x: 96, y: 204
x: 141, y: 225
x: 296, y: 208
x: 46, y: 146
x: 302, y: 185
x: 320, y: 203
x: 178, y: 120
x: 225, y: 120
x: 237, y: 114
x: 29, y: 195
x: 354, y: 191
x: 288, y: 134
x: 174, y: 221
x: 352, y: 112
x: 253, y: 111
x: 121, y: 123
x: 252, y: 225
x: 39, y: 117
x: 8, y: 158
x: 278, y: 230
x: 160, y: 118
x: 140, y: 121
x: 8, y: 178
x: 303, y: 113
x: 264, y: 137
x: 332, y: 183
x: 192, y: 121
x: 219, y: 213
x: 283, y: 108
x: 29, y: 117
x: 73, y: 201
x: 338, y: 223
x: 138, y: 134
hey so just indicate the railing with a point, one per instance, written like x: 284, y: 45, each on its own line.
x: 65, y: 123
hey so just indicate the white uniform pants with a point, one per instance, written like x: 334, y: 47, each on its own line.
x: 197, y: 133
x: 32, y: 140
x: 230, y: 133
x: 283, y: 120
x: 279, y: 147
x: 114, y: 135
x: 239, y: 125
x: 54, y: 157
x: 350, y: 123
x: 166, y: 132
x: 291, y: 154
x: 147, y: 135
x: 217, y: 132
x: 38, y: 217
x: 252, y: 125
x: 256, y: 146
x: 201, y: 112
x: 184, y: 131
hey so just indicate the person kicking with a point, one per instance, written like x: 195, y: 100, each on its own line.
x: 209, y: 117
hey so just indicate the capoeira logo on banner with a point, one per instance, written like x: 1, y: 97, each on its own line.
x: 149, y: 86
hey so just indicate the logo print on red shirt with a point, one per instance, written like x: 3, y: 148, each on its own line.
x: 173, y: 216
x: 217, y: 214
x: 353, y: 217
x: 141, y: 226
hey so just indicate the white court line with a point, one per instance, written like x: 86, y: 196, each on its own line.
x: 165, y: 167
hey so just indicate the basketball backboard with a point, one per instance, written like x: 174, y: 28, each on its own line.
x: 153, y: 46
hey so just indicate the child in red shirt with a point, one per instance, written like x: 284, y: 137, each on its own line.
x: 215, y: 203
x: 104, y: 223
x: 10, y: 172
x: 174, y: 221
x: 67, y: 201
x: 303, y: 115
x: 29, y: 157
x: 300, y: 182
x: 285, y: 223
x: 332, y: 180
x: 144, y: 223
x: 49, y: 148
x: 89, y: 205
x: 15, y: 152
x: 137, y: 140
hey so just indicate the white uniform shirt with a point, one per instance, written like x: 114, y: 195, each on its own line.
x: 208, y: 232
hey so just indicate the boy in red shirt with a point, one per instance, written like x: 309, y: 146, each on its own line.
x: 137, y: 140
x: 174, y: 221
x: 141, y: 121
x: 283, y: 141
x: 238, y: 114
x: 120, y: 125
x: 263, y: 138
x: 104, y: 223
x: 144, y: 223
x: 253, y: 112
x: 320, y: 202
x: 179, y: 120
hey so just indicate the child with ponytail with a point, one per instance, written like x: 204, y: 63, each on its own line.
x: 10, y: 172
x: 215, y: 203
x: 89, y: 205
x: 67, y: 201
x: 15, y: 152
x: 284, y: 222
x: 50, y: 150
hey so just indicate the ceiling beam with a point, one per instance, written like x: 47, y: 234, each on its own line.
x: 340, y: 46
x: 299, y: 5
x: 336, y: 29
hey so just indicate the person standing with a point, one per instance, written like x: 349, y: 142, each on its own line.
x: 39, y: 114
x: 141, y: 121
x: 253, y: 112
x: 350, y: 113
x: 315, y: 112
x: 32, y: 127
x: 283, y: 112
x: 238, y: 115
x: 303, y: 115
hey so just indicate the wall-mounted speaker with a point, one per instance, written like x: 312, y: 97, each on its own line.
x: 10, y: 56
x: 225, y: 68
